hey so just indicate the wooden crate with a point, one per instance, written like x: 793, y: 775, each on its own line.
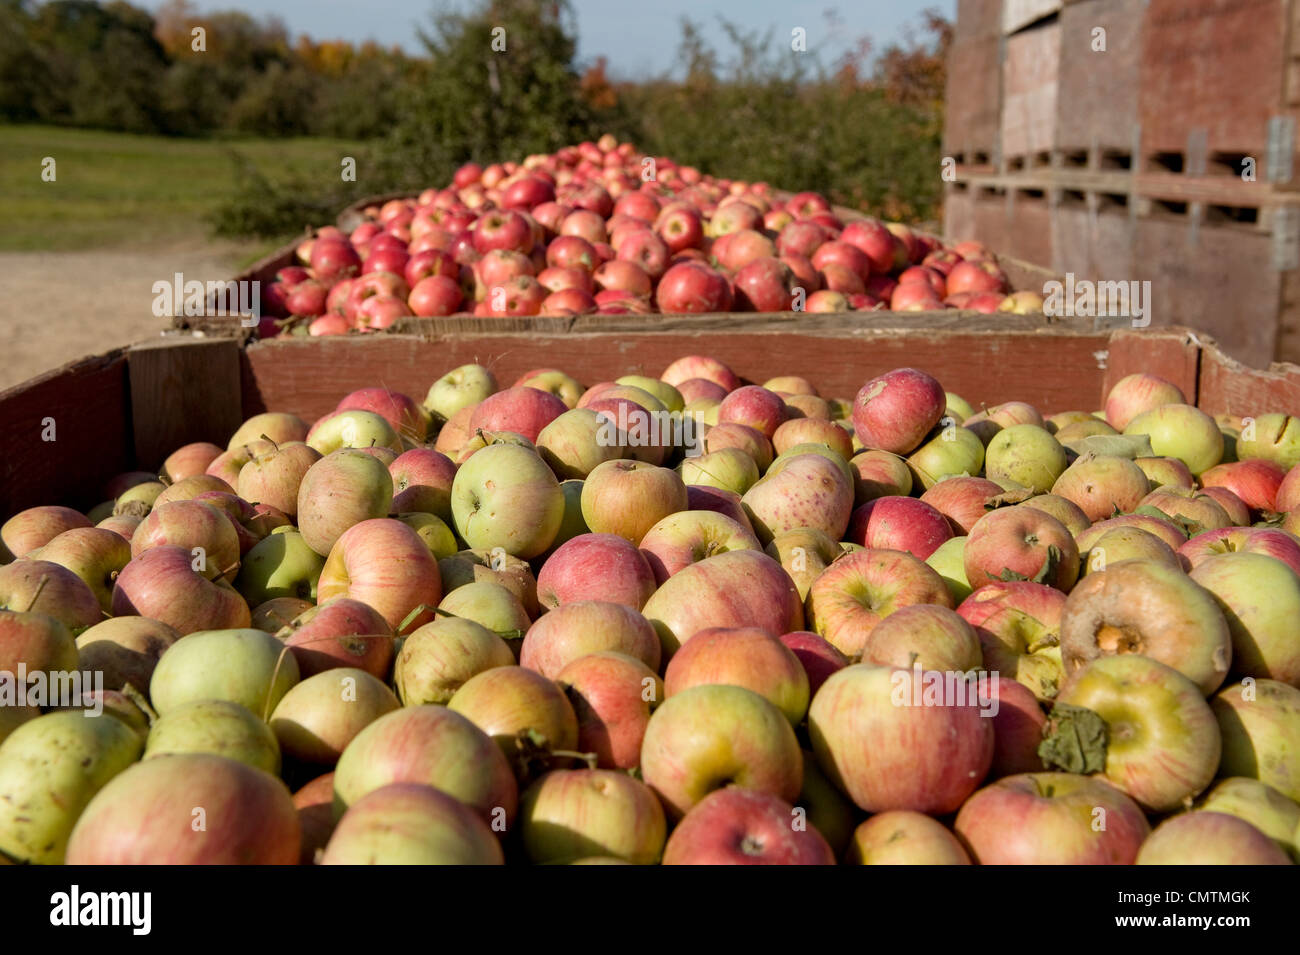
x: 1018, y: 14
x: 978, y: 18
x: 1028, y: 226
x: 150, y: 399
x: 1097, y: 104
x: 1029, y: 91
x: 958, y: 213
x: 1093, y: 236
x: 1216, y: 278
x: 973, y: 107
x: 1213, y: 74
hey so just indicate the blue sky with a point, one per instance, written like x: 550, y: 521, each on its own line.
x: 638, y: 36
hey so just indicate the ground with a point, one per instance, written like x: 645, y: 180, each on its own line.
x: 79, y: 254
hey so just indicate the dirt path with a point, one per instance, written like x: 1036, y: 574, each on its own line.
x: 56, y: 307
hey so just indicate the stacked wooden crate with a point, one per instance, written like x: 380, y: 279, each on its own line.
x: 1155, y: 139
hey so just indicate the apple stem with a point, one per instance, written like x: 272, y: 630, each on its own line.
x: 270, y: 442
x: 591, y: 759
x: 266, y: 707
x: 37, y: 596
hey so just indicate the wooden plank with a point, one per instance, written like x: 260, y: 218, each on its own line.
x: 86, y: 404
x: 1228, y: 387
x: 1031, y: 238
x: 181, y: 391
x: 1054, y: 369
x: 1098, y: 101
x: 972, y: 101
x: 1217, y: 279
x: 1097, y: 246
x: 1018, y: 14
x: 1029, y: 90
x: 978, y: 18
x: 1172, y: 353
x: 1213, y: 66
x: 958, y: 213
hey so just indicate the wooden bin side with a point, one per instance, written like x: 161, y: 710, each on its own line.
x: 1097, y: 105
x: 65, y: 434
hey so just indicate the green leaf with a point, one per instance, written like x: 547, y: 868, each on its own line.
x: 1074, y: 740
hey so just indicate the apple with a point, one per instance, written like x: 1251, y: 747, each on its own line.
x: 902, y: 837
x: 894, y: 411
x: 881, y: 474
x: 1018, y: 624
x: 797, y: 431
x: 728, y: 468
x: 1271, y: 542
x: 587, y: 626
x: 687, y: 537
x: 567, y: 815
x: 145, y: 816
x: 513, y: 704
x: 1273, y: 437
x: 402, y: 412
x: 705, y: 737
x: 1028, y: 544
x: 462, y: 387
x: 886, y: 748
x: 743, y: 826
x: 1194, y: 510
x: 808, y: 491
x: 1065, y: 511
x: 692, y: 287
x: 591, y: 566
x: 1051, y: 819
x: 748, y: 657
x: 470, y: 566
x: 862, y: 588
x: 502, y: 229
x: 1260, y: 727
x: 1181, y: 431
x: 125, y: 649
x: 37, y: 526
x: 962, y: 500
x: 553, y: 381
x: 505, y: 496
x: 94, y: 554
x: 700, y: 366
x: 411, y: 824
x: 613, y: 696
x: 276, y: 426
x: 218, y: 727
x: 422, y: 479
x: 523, y: 410
x: 573, y: 444
x: 279, y: 565
x: 1125, y: 544
x: 384, y: 564
x: 434, y: 746
x: 1161, y: 744
x: 627, y: 498
x: 924, y: 635
x: 1209, y: 838
x: 1026, y: 455
x: 271, y: 615
x: 194, y: 526
x: 1102, y: 485
x: 747, y: 439
x: 340, y: 490
x: 316, y: 720
x: 899, y: 523
x: 353, y: 429
x: 1153, y: 523
x: 742, y: 588
x: 755, y: 407
x: 1138, y: 393
x: 1145, y: 607
x: 190, y: 460
x: 1018, y: 725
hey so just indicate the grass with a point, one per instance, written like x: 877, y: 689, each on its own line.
x: 118, y: 189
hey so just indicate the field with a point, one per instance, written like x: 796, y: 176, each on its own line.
x: 80, y: 254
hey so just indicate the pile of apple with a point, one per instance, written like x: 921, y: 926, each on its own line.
x: 586, y: 230
x: 525, y: 624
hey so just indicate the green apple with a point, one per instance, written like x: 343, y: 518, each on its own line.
x: 573, y: 444
x: 218, y: 727
x: 1258, y: 804
x: 439, y: 658
x: 281, y: 564
x: 557, y: 383
x: 1273, y: 437
x: 138, y: 500
x: 489, y: 605
x: 319, y: 717
x: 668, y: 396
x: 949, y: 560
x: 1260, y: 599
x: 703, y: 410
x: 50, y: 769
x: 279, y: 427
x: 730, y: 469
x: 94, y: 554
x: 461, y: 387
x: 353, y: 429
x: 959, y: 409
x: 433, y: 530
x: 1260, y: 723
x: 1026, y: 454
x: 804, y: 553
x: 573, y: 524
x: 1183, y: 432
x: 505, y: 496
x: 248, y: 667
x: 953, y: 451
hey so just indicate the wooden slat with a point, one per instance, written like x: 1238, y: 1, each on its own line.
x: 87, y: 402
x: 1173, y: 354
x: 1054, y: 370
x: 1228, y: 387
x: 181, y: 391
